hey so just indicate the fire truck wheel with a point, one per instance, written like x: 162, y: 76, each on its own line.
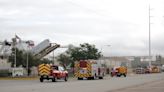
x: 118, y: 75
x: 92, y: 78
x: 88, y: 78
x: 100, y: 77
x: 80, y: 78
x: 124, y: 75
x: 41, y: 79
x: 54, y: 79
x: 66, y: 78
x: 111, y: 75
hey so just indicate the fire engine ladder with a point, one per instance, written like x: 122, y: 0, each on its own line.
x: 46, y: 51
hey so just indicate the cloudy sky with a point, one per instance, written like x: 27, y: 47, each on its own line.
x: 123, y: 24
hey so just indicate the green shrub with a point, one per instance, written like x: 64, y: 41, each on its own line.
x: 5, y: 73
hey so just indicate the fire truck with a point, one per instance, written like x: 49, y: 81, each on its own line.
x: 119, y: 71
x: 155, y: 69
x: 89, y: 69
x: 52, y: 72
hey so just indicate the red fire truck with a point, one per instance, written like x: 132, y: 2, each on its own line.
x: 53, y: 72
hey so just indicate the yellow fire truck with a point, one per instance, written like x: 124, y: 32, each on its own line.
x: 89, y: 69
x: 155, y: 69
x: 119, y: 71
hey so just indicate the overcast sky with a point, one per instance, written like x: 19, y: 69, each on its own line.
x: 123, y: 24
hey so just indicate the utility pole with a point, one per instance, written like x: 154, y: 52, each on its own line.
x: 27, y: 63
x: 15, y: 57
x: 53, y: 57
x: 149, y: 37
x: 15, y: 51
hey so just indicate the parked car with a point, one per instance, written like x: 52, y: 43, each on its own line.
x: 162, y: 68
x: 140, y: 70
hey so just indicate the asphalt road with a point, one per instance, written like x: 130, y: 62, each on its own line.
x: 106, y: 85
x: 155, y: 86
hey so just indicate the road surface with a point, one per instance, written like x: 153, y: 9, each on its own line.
x: 155, y: 86
x: 106, y: 85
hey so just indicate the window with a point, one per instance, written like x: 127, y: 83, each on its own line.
x: 55, y: 67
x: 61, y: 68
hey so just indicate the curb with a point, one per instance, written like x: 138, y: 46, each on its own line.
x: 26, y: 78
x: 18, y: 78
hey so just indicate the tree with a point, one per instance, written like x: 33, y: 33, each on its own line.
x: 84, y: 52
x: 21, y: 57
x: 64, y: 59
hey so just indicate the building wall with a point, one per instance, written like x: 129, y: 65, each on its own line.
x: 116, y: 61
